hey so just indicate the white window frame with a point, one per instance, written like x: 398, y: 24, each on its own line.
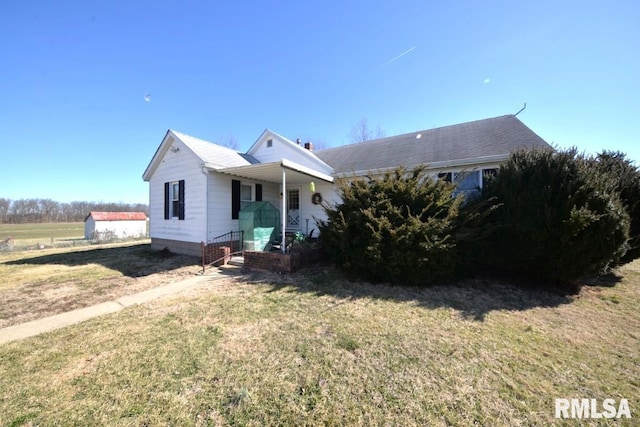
x: 244, y: 202
x: 174, y: 197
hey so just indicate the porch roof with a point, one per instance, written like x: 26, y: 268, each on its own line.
x: 272, y: 172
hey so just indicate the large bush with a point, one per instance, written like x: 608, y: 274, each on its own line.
x: 623, y: 177
x: 396, y: 228
x: 555, y: 219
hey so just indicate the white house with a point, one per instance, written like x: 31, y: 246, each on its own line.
x: 121, y: 225
x: 197, y: 188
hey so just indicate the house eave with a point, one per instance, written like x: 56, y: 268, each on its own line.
x: 272, y: 172
x: 457, y: 163
x: 158, y: 155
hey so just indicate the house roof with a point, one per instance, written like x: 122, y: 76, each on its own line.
x: 492, y: 139
x: 117, y: 216
x: 212, y: 155
x: 215, y: 155
x: 272, y: 172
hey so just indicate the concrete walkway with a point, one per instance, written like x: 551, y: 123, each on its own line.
x: 39, y: 326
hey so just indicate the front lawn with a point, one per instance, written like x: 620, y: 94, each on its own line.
x: 314, y: 349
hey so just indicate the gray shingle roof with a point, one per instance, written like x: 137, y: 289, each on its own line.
x: 214, y: 154
x: 489, y: 137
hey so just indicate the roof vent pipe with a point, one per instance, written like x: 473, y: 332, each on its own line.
x: 298, y: 141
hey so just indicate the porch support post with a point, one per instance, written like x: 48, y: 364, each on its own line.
x: 283, y: 212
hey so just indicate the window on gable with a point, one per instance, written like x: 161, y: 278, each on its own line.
x: 269, y: 143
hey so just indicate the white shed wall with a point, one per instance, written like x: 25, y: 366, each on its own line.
x: 123, y: 229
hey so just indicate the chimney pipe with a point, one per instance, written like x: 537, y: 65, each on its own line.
x: 298, y: 141
x: 308, y: 145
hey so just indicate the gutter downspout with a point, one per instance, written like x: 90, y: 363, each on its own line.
x: 284, y: 209
x: 205, y: 171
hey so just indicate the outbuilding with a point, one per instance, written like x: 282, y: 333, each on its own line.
x: 115, y: 225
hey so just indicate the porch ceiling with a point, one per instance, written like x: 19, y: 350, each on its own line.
x: 272, y: 172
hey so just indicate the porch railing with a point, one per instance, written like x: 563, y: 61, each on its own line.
x: 220, y: 249
x: 233, y: 239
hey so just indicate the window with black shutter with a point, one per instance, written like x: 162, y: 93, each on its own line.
x: 235, y: 199
x: 174, y: 200
x: 181, y: 200
x: 167, y: 196
x: 258, y: 192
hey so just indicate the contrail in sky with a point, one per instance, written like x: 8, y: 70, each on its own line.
x: 396, y: 58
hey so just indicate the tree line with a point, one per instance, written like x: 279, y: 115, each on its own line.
x: 23, y: 211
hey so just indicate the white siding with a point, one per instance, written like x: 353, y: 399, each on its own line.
x: 309, y: 211
x: 175, y: 166
x: 284, y: 149
x: 219, y: 205
x: 219, y: 202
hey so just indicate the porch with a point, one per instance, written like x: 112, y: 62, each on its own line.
x: 298, y: 201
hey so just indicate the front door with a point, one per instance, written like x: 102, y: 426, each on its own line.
x: 293, y: 208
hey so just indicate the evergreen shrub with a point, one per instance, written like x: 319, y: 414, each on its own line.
x: 554, y: 220
x: 397, y: 228
x: 620, y: 175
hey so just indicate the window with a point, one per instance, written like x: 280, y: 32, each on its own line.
x: 241, y: 196
x: 269, y: 143
x: 467, y: 182
x: 294, y: 200
x: 245, y: 195
x: 174, y: 200
x: 488, y: 174
x: 293, y: 208
x: 445, y: 176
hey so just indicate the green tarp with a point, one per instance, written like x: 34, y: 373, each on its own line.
x: 260, y: 222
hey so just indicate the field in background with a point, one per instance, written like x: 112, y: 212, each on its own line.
x: 43, y: 235
x: 30, y: 236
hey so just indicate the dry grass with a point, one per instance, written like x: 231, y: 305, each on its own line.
x: 36, y: 284
x: 313, y: 349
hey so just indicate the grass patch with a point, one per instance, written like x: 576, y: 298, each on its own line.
x: 36, y: 284
x: 294, y: 350
x: 44, y: 231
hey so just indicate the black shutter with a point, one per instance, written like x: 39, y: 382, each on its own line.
x: 235, y: 199
x: 181, y: 199
x: 258, y: 192
x: 166, y: 200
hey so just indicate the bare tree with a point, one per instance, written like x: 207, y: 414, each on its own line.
x: 360, y: 131
x: 49, y: 210
x: 4, y: 210
x: 230, y: 142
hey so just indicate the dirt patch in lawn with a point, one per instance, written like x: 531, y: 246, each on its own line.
x: 40, y: 285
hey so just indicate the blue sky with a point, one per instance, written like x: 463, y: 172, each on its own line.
x: 75, y: 75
